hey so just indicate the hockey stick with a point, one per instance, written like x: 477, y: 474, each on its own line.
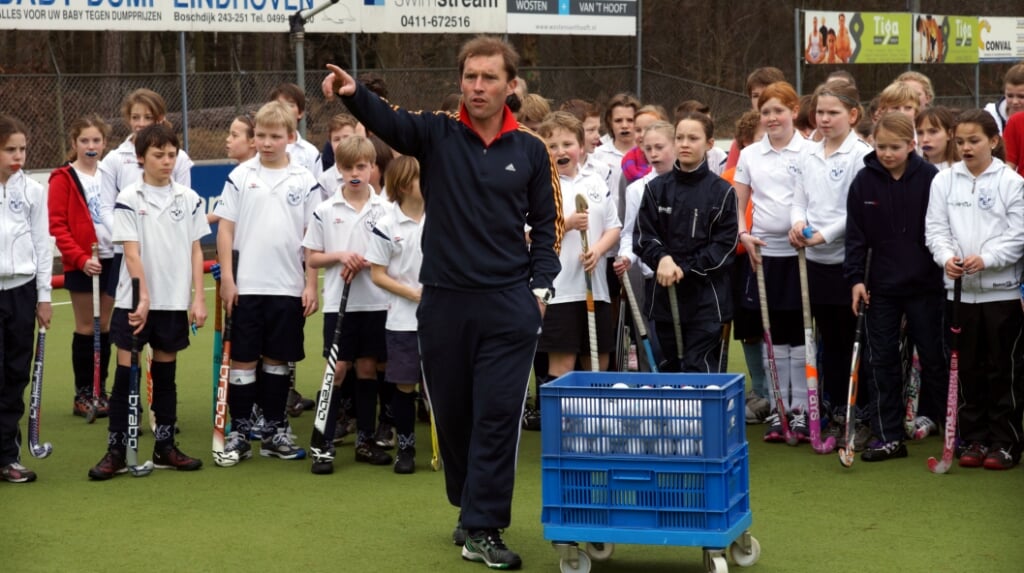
x: 913, y: 396
x: 677, y: 324
x: 780, y: 408
x: 639, y: 322
x: 846, y: 453
x: 320, y: 443
x: 934, y: 465
x: 811, y: 363
x: 220, y: 396
x: 90, y: 415
x: 132, y: 455
x: 149, y: 389
x: 435, y: 459
x: 723, y: 354
x: 595, y: 365
x: 36, y: 403
x: 218, y: 344
x: 622, y: 338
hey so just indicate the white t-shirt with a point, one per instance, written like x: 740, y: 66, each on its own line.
x: 305, y: 154
x: 165, y: 222
x: 716, y: 158
x: 269, y: 225
x: 120, y: 168
x: 570, y: 284
x: 771, y: 174
x: 819, y: 198
x: 337, y: 226
x: 634, y: 196
x: 395, y: 244
x: 91, y: 185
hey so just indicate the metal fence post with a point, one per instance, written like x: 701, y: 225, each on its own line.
x: 183, y: 55
x: 61, y: 134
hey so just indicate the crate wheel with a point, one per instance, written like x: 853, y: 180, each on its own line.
x: 600, y: 551
x: 718, y: 565
x: 582, y: 564
x: 744, y: 556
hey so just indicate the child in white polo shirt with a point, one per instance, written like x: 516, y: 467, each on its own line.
x: 336, y: 241
x: 395, y: 257
x: 564, y: 335
x: 266, y: 205
x: 159, y: 224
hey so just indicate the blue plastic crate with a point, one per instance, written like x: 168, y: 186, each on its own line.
x: 657, y: 501
x: 655, y: 416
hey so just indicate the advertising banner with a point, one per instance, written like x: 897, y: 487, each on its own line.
x: 856, y: 37
x: 1000, y: 39
x: 945, y: 39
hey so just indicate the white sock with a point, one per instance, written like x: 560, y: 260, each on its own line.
x: 798, y: 377
x: 782, y: 367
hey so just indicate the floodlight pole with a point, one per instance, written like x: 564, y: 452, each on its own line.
x: 297, y: 24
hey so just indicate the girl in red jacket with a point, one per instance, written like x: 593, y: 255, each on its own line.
x: 75, y: 222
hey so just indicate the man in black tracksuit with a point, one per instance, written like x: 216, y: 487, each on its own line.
x: 483, y: 180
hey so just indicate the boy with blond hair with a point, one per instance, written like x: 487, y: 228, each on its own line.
x: 337, y: 240
x: 266, y: 205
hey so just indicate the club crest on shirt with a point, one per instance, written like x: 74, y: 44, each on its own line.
x: 594, y: 194
x: 176, y: 213
x: 294, y: 196
x: 376, y: 212
x: 792, y: 168
x: 985, y: 200
x: 16, y: 202
x: 836, y: 172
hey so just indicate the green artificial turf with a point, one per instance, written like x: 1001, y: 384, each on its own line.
x: 810, y: 514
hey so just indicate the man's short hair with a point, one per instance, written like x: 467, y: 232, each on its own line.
x: 490, y: 46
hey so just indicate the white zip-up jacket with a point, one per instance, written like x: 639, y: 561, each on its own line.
x: 26, y: 251
x: 983, y: 216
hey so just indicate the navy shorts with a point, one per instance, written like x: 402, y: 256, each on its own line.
x: 165, y: 330
x: 267, y: 325
x: 362, y: 335
x: 78, y: 281
x: 403, y: 357
x: 565, y: 328
x: 110, y: 286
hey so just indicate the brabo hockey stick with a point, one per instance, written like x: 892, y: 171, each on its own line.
x: 811, y: 363
x: 595, y: 365
x: 132, y: 455
x: 220, y: 396
x: 846, y: 453
x: 780, y: 407
x: 937, y: 466
x: 320, y: 444
x: 35, y: 404
x: 90, y: 415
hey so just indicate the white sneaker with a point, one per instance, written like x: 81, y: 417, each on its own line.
x: 236, y: 449
x: 923, y: 427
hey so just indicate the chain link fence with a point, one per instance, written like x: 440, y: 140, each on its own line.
x: 48, y: 103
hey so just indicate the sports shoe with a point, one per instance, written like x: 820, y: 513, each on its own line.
x: 974, y: 455
x: 774, y: 432
x: 405, y: 461
x: 103, y: 410
x: 758, y: 409
x: 373, y: 455
x: 346, y: 425
x: 486, y: 546
x: 281, y: 444
x: 323, y: 461
x: 531, y: 419
x: 258, y: 424
x: 798, y: 424
x: 999, y: 459
x: 171, y: 458
x: 923, y: 427
x: 236, y: 449
x: 17, y: 473
x: 294, y: 405
x: 112, y: 464
x: 459, y: 534
x: 82, y: 405
x: 881, y: 451
x: 384, y: 437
